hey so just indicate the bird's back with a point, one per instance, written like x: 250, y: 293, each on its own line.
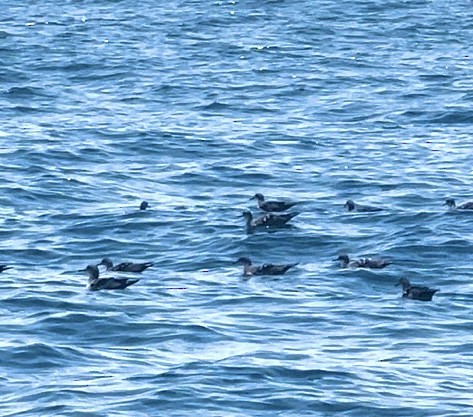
x: 275, y: 206
x: 271, y: 269
x: 132, y: 267
x: 466, y: 206
x: 284, y: 218
x: 287, y: 267
x: 375, y: 263
x: 420, y: 293
x: 365, y: 209
x: 274, y: 219
x: 112, y: 283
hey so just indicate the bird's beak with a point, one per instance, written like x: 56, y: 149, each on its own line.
x: 81, y: 270
x: 335, y: 260
x: 252, y: 198
x: 397, y: 285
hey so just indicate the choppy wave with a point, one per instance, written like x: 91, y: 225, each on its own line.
x: 195, y: 107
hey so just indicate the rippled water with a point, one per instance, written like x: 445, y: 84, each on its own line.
x: 194, y: 107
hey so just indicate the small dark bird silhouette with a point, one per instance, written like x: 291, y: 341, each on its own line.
x: 373, y: 263
x: 267, y: 220
x: 125, y: 266
x: 266, y: 269
x: 144, y: 205
x: 271, y: 205
x: 450, y: 202
x: 96, y: 283
x: 351, y: 206
x: 416, y: 292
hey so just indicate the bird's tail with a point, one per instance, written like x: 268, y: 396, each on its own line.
x: 131, y: 282
x: 292, y: 215
x: 289, y: 266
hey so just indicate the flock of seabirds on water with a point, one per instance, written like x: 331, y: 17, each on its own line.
x: 274, y: 217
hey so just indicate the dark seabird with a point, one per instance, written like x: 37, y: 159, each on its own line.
x: 271, y: 205
x: 125, y: 266
x: 450, y: 202
x: 96, y: 283
x: 268, y: 220
x: 351, y: 206
x: 4, y: 268
x: 416, y: 292
x: 376, y: 263
x: 144, y: 205
x: 266, y: 269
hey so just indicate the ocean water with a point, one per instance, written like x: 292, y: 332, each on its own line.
x: 194, y: 107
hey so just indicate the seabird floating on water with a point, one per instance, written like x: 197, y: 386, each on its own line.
x: 96, y: 283
x: 144, y: 205
x: 266, y: 269
x: 450, y: 202
x: 4, y: 268
x: 416, y: 292
x: 271, y: 205
x: 125, y: 266
x: 351, y: 206
x: 375, y: 263
x: 268, y: 220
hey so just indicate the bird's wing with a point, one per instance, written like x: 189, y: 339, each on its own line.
x: 368, y: 208
x: 264, y: 220
x: 124, y: 266
x: 266, y: 268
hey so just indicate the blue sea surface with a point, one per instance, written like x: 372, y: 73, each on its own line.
x: 194, y: 107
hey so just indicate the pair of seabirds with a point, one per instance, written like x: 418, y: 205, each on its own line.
x: 270, y: 218
x: 270, y: 269
x: 449, y: 202
x: 96, y: 283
